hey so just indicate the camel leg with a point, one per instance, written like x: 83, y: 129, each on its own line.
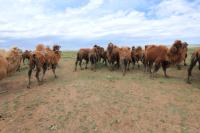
x: 122, y: 67
x: 38, y: 69
x: 156, y: 68
x: 192, y: 64
x: 29, y: 77
x: 125, y: 68
x: 80, y: 64
x: 95, y: 65
x: 54, y: 70
x: 44, y: 70
x: 54, y: 73
x: 185, y: 64
x: 76, y: 65
x: 145, y: 66
x: 112, y: 66
x: 164, y: 67
x: 105, y: 62
x: 128, y: 66
x: 91, y: 64
x: 133, y: 63
x: 87, y: 61
x: 150, y: 65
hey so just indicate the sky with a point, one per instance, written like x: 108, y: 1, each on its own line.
x: 75, y: 24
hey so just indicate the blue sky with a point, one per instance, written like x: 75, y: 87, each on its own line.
x: 82, y: 23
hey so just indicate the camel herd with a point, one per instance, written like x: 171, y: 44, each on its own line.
x: 44, y: 58
x: 151, y: 56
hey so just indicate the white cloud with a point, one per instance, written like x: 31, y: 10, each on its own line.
x: 175, y: 7
x: 92, y: 5
x: 31, y: 19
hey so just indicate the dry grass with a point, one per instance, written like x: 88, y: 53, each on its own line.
x: 102, y: 101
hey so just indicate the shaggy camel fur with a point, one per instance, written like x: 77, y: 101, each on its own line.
x: 163, y: 56
x: 9, y: 61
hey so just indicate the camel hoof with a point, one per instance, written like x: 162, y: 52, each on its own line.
x: 28, y: 86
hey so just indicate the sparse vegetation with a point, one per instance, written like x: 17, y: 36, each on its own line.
x: 101, y: 101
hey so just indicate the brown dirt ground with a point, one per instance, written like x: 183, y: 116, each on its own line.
x: 100, y: 102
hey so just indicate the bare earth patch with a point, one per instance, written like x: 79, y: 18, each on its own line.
x: 100, y: 102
